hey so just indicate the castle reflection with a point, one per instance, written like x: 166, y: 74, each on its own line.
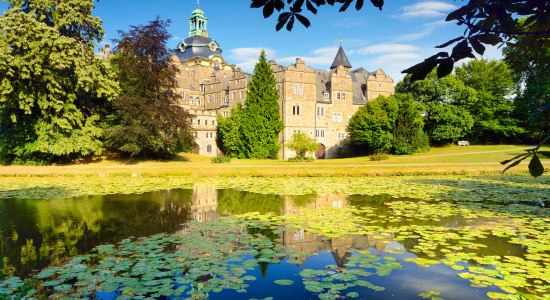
x: 208, y: 204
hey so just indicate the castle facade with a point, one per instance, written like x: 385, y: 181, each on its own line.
x: 319, y: 103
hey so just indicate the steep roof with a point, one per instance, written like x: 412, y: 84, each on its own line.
x: 341, y: 59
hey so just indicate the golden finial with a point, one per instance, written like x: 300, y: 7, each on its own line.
x: 341, y: 41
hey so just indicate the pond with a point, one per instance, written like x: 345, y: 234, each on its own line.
x: 229, y: 244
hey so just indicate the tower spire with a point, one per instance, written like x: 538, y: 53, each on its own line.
x: 198, y: 22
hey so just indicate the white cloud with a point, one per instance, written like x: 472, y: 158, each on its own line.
x: 414, y: 36
x: 350, y: 23
x: 246, y: 58
x: 427, y: 9
x: 320, y: 57
x: 386, y: 48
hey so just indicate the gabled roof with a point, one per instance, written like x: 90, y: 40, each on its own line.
x: 340, y: 60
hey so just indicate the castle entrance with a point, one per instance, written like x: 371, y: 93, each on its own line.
x: 197, y: 149
x: 320, y: 153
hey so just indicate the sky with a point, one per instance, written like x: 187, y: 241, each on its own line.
x: 404, y: 33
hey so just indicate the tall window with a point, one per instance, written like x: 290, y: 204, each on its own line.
x: 217, y: 97
x: 183, y: 96
x: 320, y: 111
x: 209, y: 98
x: 242, y: 95
x: 301, y: 89
x: 209, y: 148
x: 319, y: 133
x: 296, y: 110
x: 295, y: 89
x: 343, y: 96
x: 191, y: 101
x: 206, y: 122
x: 337, y: 96
x: 199, y: 122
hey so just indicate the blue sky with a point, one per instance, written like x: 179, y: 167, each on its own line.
x: 402, y: 34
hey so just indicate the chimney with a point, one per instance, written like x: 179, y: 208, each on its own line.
x: 107, y: 51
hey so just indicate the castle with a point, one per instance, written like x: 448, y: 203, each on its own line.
x: 316, y: 102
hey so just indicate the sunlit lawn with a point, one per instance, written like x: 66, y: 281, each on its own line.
x: 451, y: 159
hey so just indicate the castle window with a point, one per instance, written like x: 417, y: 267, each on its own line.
x: 296, y: 110
x: 295, y: 89
x: 191, y: 101
x: 226, y: 99
x: 213, y: 123
x: 206, y: 122
x: 320, y: 111
x: 203, y: 87
x: 337, y: 96
x: 341, y: 135
x: 337, y: 118
x: 242, y: 94
x: 301, y: 90
x: 209, y: 98
x: 209, y: 148
x: 380, y: 85
x: 217, y: 97
x: 343, y: 96
x: 327, y: 95
x: 319, y: 133
x: 183, y: 96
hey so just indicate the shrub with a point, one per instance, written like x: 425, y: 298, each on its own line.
x: 378, y: 156
x: 221, y: 160
x: 301, y: 159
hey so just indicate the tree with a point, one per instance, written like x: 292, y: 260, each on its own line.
x: 446, y: 103
x: 302, y: 143
x: 408, y: 130
x: 492, y: 112
x: 489, y: 22
x: 145, y: 120
x: 52, y: 84
x: 261, y: 123
x: 371, y: 128
x: 228, y: 136
x: 531, y: 67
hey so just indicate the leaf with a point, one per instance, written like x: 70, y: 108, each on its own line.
x: 303, y: 20
x: 455, y: 15
x: 258, y: 3
x: 268, y: 10
x: 536, y: 168
x: 462, y: 50
x: 378, y: 3
x: 421, y: 70
x: 489, y: 38
x: 284, y: 282
x: 450, y: 42
x: 445, y: 67
x: 478, y: 47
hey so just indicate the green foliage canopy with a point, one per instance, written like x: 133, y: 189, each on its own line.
x: 51, y: 82
x: 260, y: 123
x: 145, y: 120
x: 372, y: 126
x: 492, y: 112
x: 446, y: 103
x: 302, y: 143
x: 228, y: 135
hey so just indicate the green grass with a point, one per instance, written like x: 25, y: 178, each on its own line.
x: 445, y: 160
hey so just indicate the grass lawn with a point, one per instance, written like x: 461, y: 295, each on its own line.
x: 444, y: 160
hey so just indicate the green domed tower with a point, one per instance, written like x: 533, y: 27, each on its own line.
x: 198, y: 22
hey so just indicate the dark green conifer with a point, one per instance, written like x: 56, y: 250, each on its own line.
x: 261, y: 122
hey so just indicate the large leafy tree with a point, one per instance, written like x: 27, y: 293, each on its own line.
x: 531, y: 66
x: 446, y: 101
x: 51, y: 82
x: 490, y: 22
x: 302, y: 143
x: 145, y: 121
x: 492, y: 112
x: 228, y: 137
x: 261, y: 122
x: 409, y: 126
x: 371, y: 128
